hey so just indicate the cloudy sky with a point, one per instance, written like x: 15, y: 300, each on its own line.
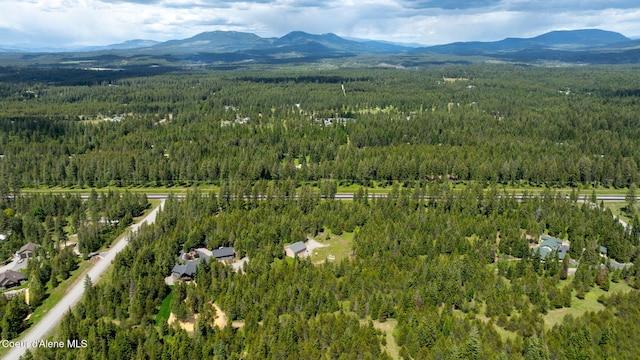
x: 68, y: 23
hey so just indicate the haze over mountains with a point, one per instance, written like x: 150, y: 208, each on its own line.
x: 582, y: 46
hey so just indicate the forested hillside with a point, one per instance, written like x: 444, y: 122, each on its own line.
x: 488, y: 123
x: 439, y: 272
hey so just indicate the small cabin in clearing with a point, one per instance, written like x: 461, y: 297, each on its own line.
x: 296, y: 249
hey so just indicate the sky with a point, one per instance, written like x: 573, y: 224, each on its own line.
x: 73, y: 23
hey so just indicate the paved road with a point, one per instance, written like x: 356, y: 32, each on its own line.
x: 14, y: 265
x: 349, y: 196
x: 51, y: 320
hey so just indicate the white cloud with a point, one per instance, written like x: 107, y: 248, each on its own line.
x: 95, y: 22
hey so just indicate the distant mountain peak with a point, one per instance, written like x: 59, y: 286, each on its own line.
x: 132, y: 44
x: 303, y: 36
x: 215, y: 41
x: 579, y: 46
x: 584, y: 37
x: 219, y: 34
x: 553, y: 40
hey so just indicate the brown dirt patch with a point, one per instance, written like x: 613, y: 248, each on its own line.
x: 220, y: 319
x: 187, y: 326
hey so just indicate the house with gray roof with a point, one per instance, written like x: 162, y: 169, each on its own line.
x: 224, y: 254
x: 28, y: 250
x: 549, y: 244
x: 296, y: 249
x: 185, y: 271
x: 10, y: 278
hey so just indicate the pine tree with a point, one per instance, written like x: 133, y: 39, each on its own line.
x: 473, y: 346
x: 12, y: 322
x: 631, y: 195
x: 37, y: 291
x: 594, y: 197
x: 536, y: 349
x: 565, y: 267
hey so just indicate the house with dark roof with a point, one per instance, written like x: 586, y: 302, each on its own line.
x: 185, y: 271
x: 549, y: 244
x: 224, y: 254
x: 10, y: 278
x: 28, y: 250
x: 296, y: 249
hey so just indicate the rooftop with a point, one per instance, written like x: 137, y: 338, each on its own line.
x: 223, y: 252
x: 13, y: 276
x: 550, y: 241
x: 548, y: 244
x: 188, y: 269
x: 297, y: 247
x: 28, y: 247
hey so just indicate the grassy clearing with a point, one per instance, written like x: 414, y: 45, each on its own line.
x: 339, y: 246
x: 165, y: 309
x: 504, y: 334
x: 617, y: 210
x: 382, y: 187
x: 388, y: 327
x: 579, y: 307
x: 374, y: 188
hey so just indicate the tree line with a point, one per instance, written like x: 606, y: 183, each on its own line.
x: 554, y: 127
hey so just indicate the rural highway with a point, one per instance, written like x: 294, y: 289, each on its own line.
x: 51, y: 320
x: 350, y: 196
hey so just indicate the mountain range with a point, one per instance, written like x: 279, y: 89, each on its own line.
x: 229, y: 47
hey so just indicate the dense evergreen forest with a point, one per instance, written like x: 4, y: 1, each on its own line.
x: 439, y: 271
x: 488, y: 123
x: 429, y: 270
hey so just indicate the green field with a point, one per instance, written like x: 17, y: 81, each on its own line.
x: 618, y: 210
x: 165, y: 309
x: 337, y: 245
x: 579, y: 307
